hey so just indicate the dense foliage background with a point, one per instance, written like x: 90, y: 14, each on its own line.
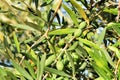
x: 59, y: 40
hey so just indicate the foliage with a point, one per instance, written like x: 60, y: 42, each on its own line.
x: 59, y: 40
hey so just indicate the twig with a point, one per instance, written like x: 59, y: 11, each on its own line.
x: 22, y: 60
x: 45, y: 76
x: 12, y: 9
x: 56, y: 10
x: 117, y: 18
x: 62, y: 51
x: 116, y: 69
x: 45, y: 35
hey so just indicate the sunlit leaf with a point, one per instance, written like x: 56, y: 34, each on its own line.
x: 30, y: 68
x: 48, y: 1
x: 109, y: 59
x: 34, y: 26
x: 72, y: 63
x: 16, y: 42
x: 38, y: 12
x: 100, y: 72
x: 49, y: 15
x: 19, y: 8
x: 1, y: 37
x: 62, y: 31
x: 115, y: 26
x: 2, y: 72
x: 80, y: 10
x: 42, y: 66
x: 23, y: 26
x: 11, y: 75
x: 111, y: 10
x: 32, y: 53
x: 58, y: 17
x: 36, y: 3
x: 21, y: 70
x: 72, y: 14
x: 101, y: 36
x: 115, y: 50
x: 52, y: 70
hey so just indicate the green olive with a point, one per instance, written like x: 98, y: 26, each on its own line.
x: 75, y: 56
x: 84, y: 64
x: 75, y: 44
x: 61, y: 42
x: 82, y: 25
x: 77, y: 33
x: 49, y: 60
x: 59, y: 65
x: 90, y: 35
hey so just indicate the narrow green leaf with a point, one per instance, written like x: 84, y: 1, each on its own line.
x: 38, y: 13
x: 42, y: 66
x: 54, y: 71
x: 30, y: 68
x: 96, y: 47
x: 29, y: 56
x: 113, y: 11
x: 32, y: 53
x: 16, y: 42
x: 72, y: 63
x: 117, y: 29
x: 62, y: 31
x: 89, y: 43
x: 58, y: 17
x: 11, y: 75
x: 100, y: 72
x: 19, y: 8
x: 3, y: 11
x: 80, y: 10
x: 48, y: 1
x: 50, y: 59
x: 21, y: 70
x: 49, y: 15
x: 117, y: 44
x: 34, y: 26
x: 23, y: 26
x: 115, y: 50
x: 115, y: 26
x: 101, y: 37
x: 36, y: 3
x: 38, y: 67
x: 2, y: 72
x: 99, y: 78
x: 73, y: 47
x: 98, y: 56
x: 71, y: 13
x: 109, y: 59
x: 80, y: 53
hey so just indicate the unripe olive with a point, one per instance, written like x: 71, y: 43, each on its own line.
x: 90, y: 75
x: 110, y: 24
x: 59, y: 65
x: 49, y: 60
x: 60, y: 78
x: 82, y: 25
x: 83, y: 66
x: 75, y: 56
x: 90, y: 35
x: 61, y: 42
x: 77, y: 33
x: 73, y: 46
x: 65, y: 61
